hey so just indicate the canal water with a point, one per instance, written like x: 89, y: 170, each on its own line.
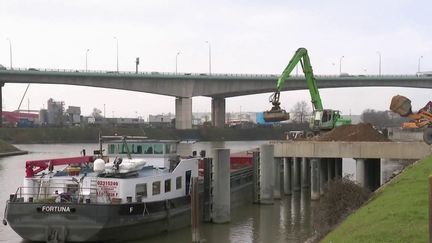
x: 288, y: 220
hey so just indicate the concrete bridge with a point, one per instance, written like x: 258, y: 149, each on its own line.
x: 184, y: 86
x: 314, y: 163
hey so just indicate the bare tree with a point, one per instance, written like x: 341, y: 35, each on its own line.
x: 97, y: 113
x: 300, y: 111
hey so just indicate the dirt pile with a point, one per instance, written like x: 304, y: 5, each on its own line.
x: 353, y: 133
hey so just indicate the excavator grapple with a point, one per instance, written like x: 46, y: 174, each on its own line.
x: 275, y: 115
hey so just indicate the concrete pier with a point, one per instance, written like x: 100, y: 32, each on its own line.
x: 331, y: 169
x: 183, y: 112
x: 266, y: 175
x: 296, y: 174
x: 315, y: 180
x: 338, y: 167
x: 287, y: 176
x: 360, y: 172
x: 277, y: 178
x: 305, y: 171
x: 221, y: 186
x: 323, y: 175
x: 218, y: 112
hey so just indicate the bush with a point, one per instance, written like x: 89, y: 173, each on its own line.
x: 342, y: 197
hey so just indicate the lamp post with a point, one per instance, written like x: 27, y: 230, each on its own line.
x: 418, y: 66
x: 178, y: 53
x: 340, y: 64
x: 117, y: 53
x: 379, y: 63
x: 87, y: 57
x: 10, y: 52
x: 209, y: 56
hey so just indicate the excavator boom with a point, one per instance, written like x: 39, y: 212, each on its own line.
x: 301, y: 56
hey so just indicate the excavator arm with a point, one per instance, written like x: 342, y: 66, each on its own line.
x: 301, y: 56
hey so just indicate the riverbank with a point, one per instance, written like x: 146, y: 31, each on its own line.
x: 90, y: 134
x: 397, y: 213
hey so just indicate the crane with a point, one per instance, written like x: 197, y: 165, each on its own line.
x: 323, y: 119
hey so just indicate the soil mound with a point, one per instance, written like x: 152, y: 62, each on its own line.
x: 353, y: 133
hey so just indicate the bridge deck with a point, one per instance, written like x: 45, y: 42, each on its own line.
x: 320, y: 149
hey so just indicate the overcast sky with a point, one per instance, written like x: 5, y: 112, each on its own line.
x: 245, y: 37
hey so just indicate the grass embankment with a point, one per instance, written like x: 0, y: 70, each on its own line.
x: 397, y: 213
x: 5, y: 147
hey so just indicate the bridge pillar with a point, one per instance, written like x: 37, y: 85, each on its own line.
x: 287, y: 176
x: 277, y: 178
x: 305, y: 180
x: 183, y: 112
x: 218, y: 112
x: 266, y: 175
x: 315, y: 180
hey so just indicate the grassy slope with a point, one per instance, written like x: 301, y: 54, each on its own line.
x: 5, y: 147
x: 399, y: 213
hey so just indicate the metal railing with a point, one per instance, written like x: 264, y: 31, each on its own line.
x: 201, y: 75
x: 47, y: 194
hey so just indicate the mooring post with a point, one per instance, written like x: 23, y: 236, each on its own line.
x: 195, y: 211
x: 256, y: 177
x: 208, y: 178
x: 222, y: 186
x: 430, y: 209
x: 266, y: 175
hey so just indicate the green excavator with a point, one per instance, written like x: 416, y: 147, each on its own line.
x: 322, y: 119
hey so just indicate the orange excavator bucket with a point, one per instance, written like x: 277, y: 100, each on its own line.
x: 401, y: 105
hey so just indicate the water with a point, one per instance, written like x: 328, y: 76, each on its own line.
x: 288, y: 220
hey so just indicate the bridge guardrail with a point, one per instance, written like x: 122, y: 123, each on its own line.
x: 154, y: 73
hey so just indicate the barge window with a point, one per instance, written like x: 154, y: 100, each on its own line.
x: 141, y: 190
x: 138, y: 149
x: 170, y: 148
x: 156, y: 187
x: 148, y: 149
x: 111, y: 149
x: 168, y: 185
x: 158, y: 149
x: 178, y: 182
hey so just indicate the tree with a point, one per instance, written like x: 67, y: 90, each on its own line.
x: 382, y: 119
x: 300, y: 111
x: 96, y: 113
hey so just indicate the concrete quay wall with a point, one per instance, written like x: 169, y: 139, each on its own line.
x: 336, y: 149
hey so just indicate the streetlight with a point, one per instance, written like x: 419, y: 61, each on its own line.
x: 10, y: 52
x: 178, y: 53
x: 340, y: 64
x: 209, y: 48
x: 87, y: 57
x: 419, y: 63
x: 117, y: 52
x: 379, y: 64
